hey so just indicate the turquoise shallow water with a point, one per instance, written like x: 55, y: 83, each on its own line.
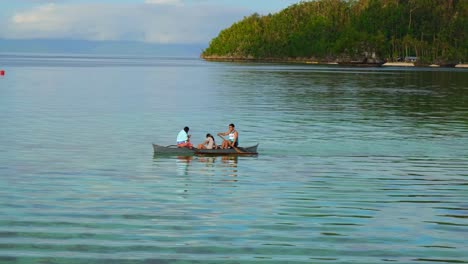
x: 356, y: 165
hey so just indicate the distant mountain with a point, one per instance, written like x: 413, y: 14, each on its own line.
x: 100, y: 47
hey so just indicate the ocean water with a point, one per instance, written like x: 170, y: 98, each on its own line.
x: 355, y: 165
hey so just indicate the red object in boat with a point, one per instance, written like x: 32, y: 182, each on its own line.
x: 2, y: 72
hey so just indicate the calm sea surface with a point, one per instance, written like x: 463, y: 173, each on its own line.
x: 356, y: 165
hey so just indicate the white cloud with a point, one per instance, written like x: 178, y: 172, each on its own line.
x: 163, y: 21
x: 164, y: 2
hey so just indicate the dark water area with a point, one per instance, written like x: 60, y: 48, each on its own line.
x: 355, y: 165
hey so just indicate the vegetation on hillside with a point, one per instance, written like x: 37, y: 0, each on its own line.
x: 435, y: 31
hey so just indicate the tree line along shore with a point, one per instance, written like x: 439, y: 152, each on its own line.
x: 354, y: 32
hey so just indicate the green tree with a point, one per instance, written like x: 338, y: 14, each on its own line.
x: 433, y: 30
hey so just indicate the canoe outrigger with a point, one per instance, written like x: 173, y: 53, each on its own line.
x: 174, y: 150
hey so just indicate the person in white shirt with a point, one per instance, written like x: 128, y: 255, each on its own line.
x: 183, y: 139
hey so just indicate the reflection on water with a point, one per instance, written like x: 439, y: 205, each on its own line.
x: 207, y: 165
x: 183, y: 163
x: 345, y: 111
x: 230, y: 164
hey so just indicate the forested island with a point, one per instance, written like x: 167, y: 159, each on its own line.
x: 353, y: 31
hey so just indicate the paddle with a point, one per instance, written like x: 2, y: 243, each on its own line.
x: 235, y: 148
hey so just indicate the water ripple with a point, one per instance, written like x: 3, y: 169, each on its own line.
x: 351, y: 169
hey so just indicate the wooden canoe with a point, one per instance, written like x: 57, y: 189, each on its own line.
x: 174, y: 150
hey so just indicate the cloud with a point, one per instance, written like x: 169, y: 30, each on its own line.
x: 162, y: 21
x: 164, y: 2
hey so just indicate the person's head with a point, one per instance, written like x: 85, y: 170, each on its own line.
x: 209, y: 135
x: 186, y: 129
x: 231, y: 127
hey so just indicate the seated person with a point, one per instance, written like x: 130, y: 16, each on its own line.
x: 183, y: 139
x: 209, y: 143
x: 233, y: 138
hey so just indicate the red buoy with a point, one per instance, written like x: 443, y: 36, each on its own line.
x: 2, y: 72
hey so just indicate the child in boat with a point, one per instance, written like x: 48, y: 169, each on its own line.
x: 209, y: 143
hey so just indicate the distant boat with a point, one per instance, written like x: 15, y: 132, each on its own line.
x: 174, y: 150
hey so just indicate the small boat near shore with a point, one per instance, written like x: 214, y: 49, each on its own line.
x: 174, y: 150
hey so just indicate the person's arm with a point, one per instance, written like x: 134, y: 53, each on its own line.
x: 223, y: 134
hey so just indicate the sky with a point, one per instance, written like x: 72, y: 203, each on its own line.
x: 149, y: 21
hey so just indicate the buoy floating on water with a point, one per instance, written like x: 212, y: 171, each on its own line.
x: 2, y: 72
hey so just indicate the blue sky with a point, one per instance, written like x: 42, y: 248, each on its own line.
x: 150, y: 21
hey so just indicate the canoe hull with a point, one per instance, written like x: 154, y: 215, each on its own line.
x: 240, y: 151
x: 174, y: 150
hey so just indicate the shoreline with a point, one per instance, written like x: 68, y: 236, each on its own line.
x: 313, y: 61
x: 399, y: 64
